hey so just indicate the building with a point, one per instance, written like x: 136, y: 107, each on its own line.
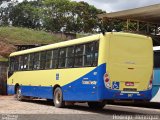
x: 144, y: 20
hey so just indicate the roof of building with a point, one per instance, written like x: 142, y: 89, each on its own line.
x: 147, y: 14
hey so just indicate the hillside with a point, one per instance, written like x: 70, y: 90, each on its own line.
x: 10, y: 36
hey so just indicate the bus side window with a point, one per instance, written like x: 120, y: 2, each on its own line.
x: 16, y: 63
x: 62, y: 58
x: 36, y: 63
x: 70, y: 57
x: 55, y: 58
x: 11, y: 65
x: 31, y: 61
x: 79, y: 56
x: 25, y: 61
x: 48, y: 60
x: 88, y: 57
x: 96, y: 49
x: 42, y: 59
x: 21, y: 59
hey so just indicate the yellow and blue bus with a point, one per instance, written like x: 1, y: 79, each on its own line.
x: 156, y: 76
x: 93, y: 69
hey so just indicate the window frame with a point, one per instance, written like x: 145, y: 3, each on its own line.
x: 55, y: 59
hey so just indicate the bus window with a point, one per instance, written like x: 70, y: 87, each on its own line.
x: 62, y: 58
x: 16, y: 63
x: 55, y: 59
x: 79, y: 56
x: 11, y: 66
x: 21, y: 59
x: 36, y: 61
x: 42, y: 59
x: 48, y: 60
x: 25, y: 62
x: 31, y: 61
x: 70, y: 57
x: 95, y: 57
x: 88, y: 57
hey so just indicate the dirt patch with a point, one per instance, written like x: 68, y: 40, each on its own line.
x: 6, y: 48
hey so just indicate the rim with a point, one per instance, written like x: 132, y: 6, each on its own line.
x: 19, y: 93
x: 58, y: 97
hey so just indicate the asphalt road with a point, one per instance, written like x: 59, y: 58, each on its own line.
x: 11, y: 109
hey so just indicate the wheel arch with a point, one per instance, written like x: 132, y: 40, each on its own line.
x: 55, y: 86
x: 15, y: 88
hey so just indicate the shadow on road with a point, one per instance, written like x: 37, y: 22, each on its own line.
x: 83, y: 107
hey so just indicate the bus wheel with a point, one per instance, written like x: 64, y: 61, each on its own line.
x: 19, y: 94
x: 58, y: 98
x: 96, y: 105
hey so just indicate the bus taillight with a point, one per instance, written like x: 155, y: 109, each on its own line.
x: 150, y: 82
x: 106, y: 80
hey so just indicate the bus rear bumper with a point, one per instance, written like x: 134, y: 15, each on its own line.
x: 128, y: 95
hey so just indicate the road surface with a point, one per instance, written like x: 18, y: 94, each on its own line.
x: 10, y: 108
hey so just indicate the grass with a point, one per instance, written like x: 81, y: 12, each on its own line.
x: 17, y: 35
x: 10, y: 36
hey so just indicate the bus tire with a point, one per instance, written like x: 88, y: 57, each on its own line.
x: 19, y: 93
x: 96, y: 105
x: 58, y: 98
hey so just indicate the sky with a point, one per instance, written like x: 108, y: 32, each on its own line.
x: 118, y: 5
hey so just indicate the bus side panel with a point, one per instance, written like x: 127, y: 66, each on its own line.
x: 82, y: 89
x: 101, y: 86
x: 156, y: 86
x: 37, y: 91
x: 10, y: 89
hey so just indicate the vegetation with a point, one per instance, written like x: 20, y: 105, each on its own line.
x: 17, y: 35
x: 11, y: 36
x: 29, y: 20
x: 51, y: 15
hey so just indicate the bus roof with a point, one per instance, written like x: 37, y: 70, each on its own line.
x: 72, y: 42
x: 57, y: 45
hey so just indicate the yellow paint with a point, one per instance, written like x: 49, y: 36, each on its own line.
x: 48, y: 77
x: 130, y: 60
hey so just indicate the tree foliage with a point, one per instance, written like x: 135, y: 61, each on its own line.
x: 26, y: 14
x: 52, y: 15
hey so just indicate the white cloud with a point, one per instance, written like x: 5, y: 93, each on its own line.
x: 117, y: 5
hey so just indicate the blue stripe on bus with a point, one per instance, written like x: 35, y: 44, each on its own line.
x: 38, y: 91
x: 79, y: 91
x: 89, y: 87
x: 35, y: 91
x: 10, y: 89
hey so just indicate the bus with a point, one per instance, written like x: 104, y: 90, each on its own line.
x: 93, y: 69
x: 156, y: 78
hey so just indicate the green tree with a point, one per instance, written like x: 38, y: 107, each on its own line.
x: 26, y: 14
x: 52, y: 15
x: 56, y: 14
x: 72, y: 16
